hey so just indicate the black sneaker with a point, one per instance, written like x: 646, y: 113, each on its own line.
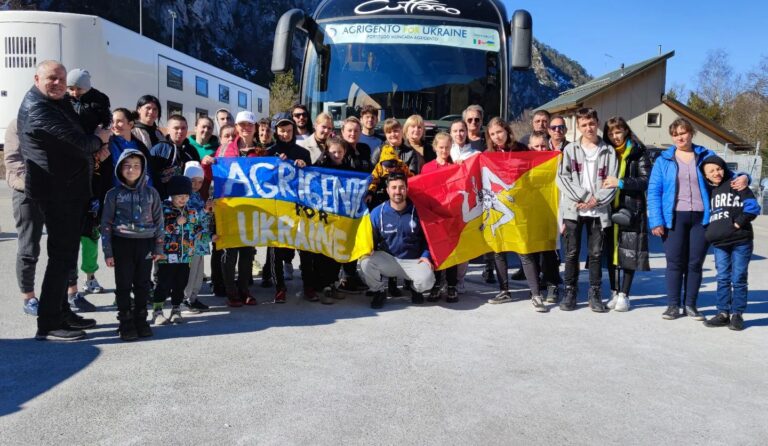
x: 452, y: 296
x: 672, y: 313
x: 77, y: 322
x: 719, y: 320
x: 378, y: 300
x: 352, y: 285
x: 196, y: 304
x: 737, y: 322
x: 435, y: 294
x: 488, y: 275
x: 392, y: 288
x: 596, y: 300
x: 61, y: 334
x: 553, y: 294
x: 518, y: 275
x: 417, y: 298
x: 694, y: 313
x: 569, y: 299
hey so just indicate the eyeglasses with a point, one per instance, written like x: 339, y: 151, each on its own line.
x: 299, y: 115
x: 473, y: 119
x: 558, y: 128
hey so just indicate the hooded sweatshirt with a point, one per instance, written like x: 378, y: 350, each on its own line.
x: 729, y: 207
x: 132, y: 211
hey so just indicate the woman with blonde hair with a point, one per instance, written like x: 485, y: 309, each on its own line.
x: 414, y: 132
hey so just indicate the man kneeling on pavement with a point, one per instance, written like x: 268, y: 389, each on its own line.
x: 400, y: 248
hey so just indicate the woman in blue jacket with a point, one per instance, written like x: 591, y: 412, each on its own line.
x: 678, y: 210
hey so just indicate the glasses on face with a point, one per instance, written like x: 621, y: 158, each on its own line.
x: 473, y: 119
x: 557, y: 128
x: 299, y: 115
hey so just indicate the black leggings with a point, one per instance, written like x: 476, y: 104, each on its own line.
x: 614, y: 277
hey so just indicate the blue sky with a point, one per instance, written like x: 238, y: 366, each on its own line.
x: 600, y: 35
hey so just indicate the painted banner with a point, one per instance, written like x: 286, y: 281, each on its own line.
x: 491, y: 202
x: 415, y: 34
x: 268, y: 202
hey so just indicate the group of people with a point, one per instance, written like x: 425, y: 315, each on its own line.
x: 89, y: 172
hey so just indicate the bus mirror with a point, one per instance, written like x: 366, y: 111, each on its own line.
x: 281, y: 49
x: 522, y: 38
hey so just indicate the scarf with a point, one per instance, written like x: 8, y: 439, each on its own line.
x: 622, y: 153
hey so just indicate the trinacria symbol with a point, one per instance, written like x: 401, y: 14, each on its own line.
x: 486, y: 199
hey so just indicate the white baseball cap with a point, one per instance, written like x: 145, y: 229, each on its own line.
x: 245, y: 116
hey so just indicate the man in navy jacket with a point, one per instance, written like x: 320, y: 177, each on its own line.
x: 400, y: 248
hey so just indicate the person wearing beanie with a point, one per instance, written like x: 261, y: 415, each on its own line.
x: 180, y: 221
x: 287, y: 150
x: 389, y: 163
x: 93, y: 110
x: 202, y: 239
x: 730, y: 232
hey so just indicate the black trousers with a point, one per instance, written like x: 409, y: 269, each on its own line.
x: 171, y: 280
x: 242, y: 259
x: 450, y: 274
x: 276, y: 257
x: 535, y: 264
x: 62, y: 220
x: 217, y: 271
x: 595, y: 234
x: 324, y: 271
x: 133, y: 271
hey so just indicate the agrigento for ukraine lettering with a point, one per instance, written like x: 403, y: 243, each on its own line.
x: 268, y: 202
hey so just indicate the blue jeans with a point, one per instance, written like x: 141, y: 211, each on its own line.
x: 732, y: 264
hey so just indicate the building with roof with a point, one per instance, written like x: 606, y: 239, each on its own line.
x: 637, y: 93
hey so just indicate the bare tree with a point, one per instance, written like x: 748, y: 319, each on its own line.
x: 717, y: 83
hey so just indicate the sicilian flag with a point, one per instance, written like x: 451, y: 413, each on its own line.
x: 264, y: 201
x: 491, y: 202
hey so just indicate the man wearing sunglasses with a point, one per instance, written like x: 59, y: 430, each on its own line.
x: 557, y: 130
x: 539, y: 123
x: 473, y: 117
x: 300, y: 116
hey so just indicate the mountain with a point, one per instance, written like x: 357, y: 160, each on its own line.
x: 236, y: 35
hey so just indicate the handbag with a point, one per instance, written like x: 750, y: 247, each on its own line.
x: 623, y: 217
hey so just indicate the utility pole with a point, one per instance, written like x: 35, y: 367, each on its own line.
x: 141, y: 20
x: 173, y: 27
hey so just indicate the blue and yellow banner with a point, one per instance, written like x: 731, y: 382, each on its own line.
x: 268, y: 202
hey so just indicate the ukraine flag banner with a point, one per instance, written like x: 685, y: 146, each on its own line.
x: 496, y: 202
x: 268, y: 202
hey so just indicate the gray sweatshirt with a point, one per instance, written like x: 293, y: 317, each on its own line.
x: 569, y: 181
x: 132, y: 211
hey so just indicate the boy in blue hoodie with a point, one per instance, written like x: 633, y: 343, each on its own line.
x: 730, y: 232
x: 132, y: 237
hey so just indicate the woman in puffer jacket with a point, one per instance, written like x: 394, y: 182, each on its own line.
x: 626, y: 241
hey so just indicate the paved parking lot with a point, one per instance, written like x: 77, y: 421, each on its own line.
x: 471, y: 373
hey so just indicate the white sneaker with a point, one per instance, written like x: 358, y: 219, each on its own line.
x: 614, y: 298
x: 288, y: 271
x: 460, y: 288
x: 158, y: 318
x: 176, y: 317
x: 92, y: 286
x: 622, y: 303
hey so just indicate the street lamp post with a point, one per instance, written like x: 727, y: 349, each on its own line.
x: 141, y: 19
x: 173, y: 27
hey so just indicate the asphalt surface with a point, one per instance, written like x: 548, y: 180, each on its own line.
x: 469, y: 373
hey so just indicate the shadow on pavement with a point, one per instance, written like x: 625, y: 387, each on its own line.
x: 30, y: 368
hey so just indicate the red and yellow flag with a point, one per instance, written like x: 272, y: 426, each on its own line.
x: 491, y: 202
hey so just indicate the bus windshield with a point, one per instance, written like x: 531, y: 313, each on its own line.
x: 434, y: 69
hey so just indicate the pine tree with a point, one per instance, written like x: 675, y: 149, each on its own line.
x: 283, y: 92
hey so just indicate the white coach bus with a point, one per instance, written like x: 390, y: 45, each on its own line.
x: 123, y: 64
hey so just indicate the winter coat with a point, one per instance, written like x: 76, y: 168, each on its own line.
x: 360, y: 157
x: 291, y: 150
x: 93, y: 108
x: 179, y: 239
x: 148, y: 135
x: 633, y: 240
x: 406, y: 153
x: 55, y: 148
x: 132, y: 211
x: 105, y: 170
x: 167, y: 159
x: 569, y: 181
x: 201, y: 232
x: 14, y: 162
x: 662, y: 187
